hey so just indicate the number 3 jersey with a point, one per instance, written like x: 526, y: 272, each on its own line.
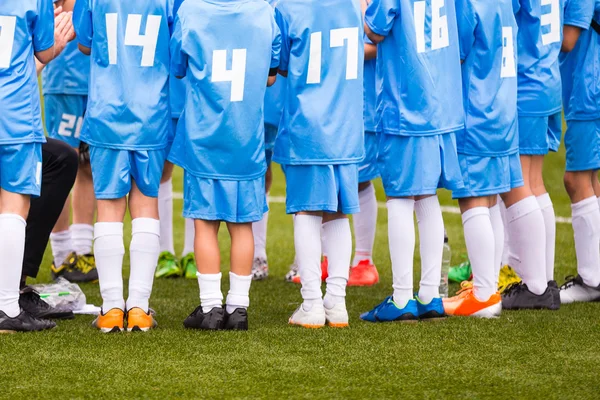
x: 26, y: 26
x: 226, y: 50
x: 128, y: 104
x: 323, y: 54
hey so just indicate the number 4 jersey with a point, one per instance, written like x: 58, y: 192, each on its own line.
x: 128, y: 104
x: 26, y: 26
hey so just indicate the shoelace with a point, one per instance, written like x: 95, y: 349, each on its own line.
x: 514, y: 288
x: 34, y: 297
x: 569, y: 281
x: 84, y: 266
x: 465, y: 287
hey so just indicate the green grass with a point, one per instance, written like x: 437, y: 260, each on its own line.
x: 520, y: 355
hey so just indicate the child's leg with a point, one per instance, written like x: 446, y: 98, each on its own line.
x: 188, y: 240
x: 506, y: 247
x: 240, y: 277
x: 60, y: 238
x: 84, y: 208
x: 336, y: 228
x: 307, y: 241
x: 365, y: 223
x: 431, y: 238
x: 401, y: 234
x: 260, y: 228
x: 499, y: 229
x: 165, y: 209
x: 208, y: 259
x: 543, y: 198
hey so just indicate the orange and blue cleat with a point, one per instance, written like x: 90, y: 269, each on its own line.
x: 465, y: 304
x: 111, y: 322
x: 139, y: 320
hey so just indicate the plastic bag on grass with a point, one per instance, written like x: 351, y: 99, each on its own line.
x: 62, y: 295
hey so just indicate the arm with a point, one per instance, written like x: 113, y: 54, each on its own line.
x: 370, y: 51
x: 380, y: 17
x: 570, y: 37
x: 84, y: 26
x: 85, y: 50
x: 67, y: 5
x: 271, y: 80
x: 63, y: 34
x: 375, y: 38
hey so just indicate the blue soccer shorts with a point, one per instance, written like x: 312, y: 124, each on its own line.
x: 64, y: 117
x: 21, y: 168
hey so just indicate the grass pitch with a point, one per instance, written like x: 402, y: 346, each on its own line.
x: 530, y: 354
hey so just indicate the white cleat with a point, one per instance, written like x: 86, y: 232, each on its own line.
x: 315, y: 318
x: 575, y: 290
x: 337, y: 316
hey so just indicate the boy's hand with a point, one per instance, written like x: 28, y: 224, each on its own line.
x: 64, y: 32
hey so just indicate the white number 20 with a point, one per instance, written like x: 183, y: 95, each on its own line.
x: 7, y: 39
x: 338, y: 37
x: 147, y: 41
x: 439, y: 25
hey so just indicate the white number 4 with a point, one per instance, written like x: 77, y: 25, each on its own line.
x: 68, y: 123
x: 236, y: 75
x: 147, y: 41
x: 338, y: 37
x: 7, y: 39
x: 439, y: 25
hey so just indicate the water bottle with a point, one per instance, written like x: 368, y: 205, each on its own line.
x: 446, y: 260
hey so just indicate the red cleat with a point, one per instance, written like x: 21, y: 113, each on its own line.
x: 324, y: 274
x: 363, y: 274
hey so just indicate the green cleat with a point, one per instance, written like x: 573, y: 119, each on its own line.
x: 188, y: 266
x: 461, y: 272
x: 167, y: 266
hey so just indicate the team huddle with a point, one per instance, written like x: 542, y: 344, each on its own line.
x: 424, y: 94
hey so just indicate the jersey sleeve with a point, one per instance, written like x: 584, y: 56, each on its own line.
x: 467, y: 22
x: 179, y: 60
x: 276, y: 49
x: 43, y: 26
x: 516, y: 6
x: 284, y: 56
x: 380, y: 16
x: 82, y: 20
x: 579, y: 13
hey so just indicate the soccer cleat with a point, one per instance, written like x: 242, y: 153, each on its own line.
x: 518, y: 297
x: 111, y: 322
x: 292, y: 273
x: 336, y: 316
x: 237, y: 320
x: 315, y: 318
x: 140, y: 321
x: 30, y: 301
x: 24, y: 322
x: 260, y: 269
x: 465, y: 304
x: 76, y: 269
x: 214, y: 320
x: 388, y: 311
x: 324, y: 272
x: 555, y: 291
x: 575, y: 290
x: 507, y: 277
x: 432, y: 310
x: 363, y: 274
x: 461, y: 272
x: 167, y: 266
x: 188, y: 266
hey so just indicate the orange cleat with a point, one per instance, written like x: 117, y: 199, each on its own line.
x: 465, y: 304
x: 111, y: 322
x: 140, y: 321
x: 324, y: 273
x: 363, y: 274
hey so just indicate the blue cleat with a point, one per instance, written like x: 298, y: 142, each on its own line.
x: 433, y: 309
x: 388, y: 311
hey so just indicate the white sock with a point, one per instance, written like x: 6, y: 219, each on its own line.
x: 323, y: 242
x: 339, y: 254
x: 188, y: 240
x: 109, y: 251
x: 401, y: 234
x: 259, y: 229
x: 62, y: 246
x: 82, y: 236
x: 239, y: 292
x: 165, y: 215
x: 547, y: 208
x: 499, y: 229
x: 365, y: 225
x: 307, y: 240
x: 506, y: 248
x: 431, y: 239
x: 528, y: 243
x: 598, y: 201
x: 210, y: 291
x: 481, y: 245
x: 586, y: 228
x: 143, y: 255
x: 12, y: 248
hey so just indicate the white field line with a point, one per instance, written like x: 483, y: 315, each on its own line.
x: 446, y: 209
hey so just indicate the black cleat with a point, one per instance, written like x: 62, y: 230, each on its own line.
x: 553, y: 286
x: 518, y: 297
x: 24, y: 322
x: 214, y: 320
x: 237, y: 320
x: 30, y: 301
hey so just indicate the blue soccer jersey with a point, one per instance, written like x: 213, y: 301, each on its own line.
x: 370, y: 93
x: 488, y: 38
x: 274, y: 98
x: 26, y: 26
x: 226, y: 49
x: 128, y: 106
x: 418, y: 62
x: 539, y: 41
x: 580, y: 68
x: 323, y: 55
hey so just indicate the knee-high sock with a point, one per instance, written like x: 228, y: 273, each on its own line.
x: 506, y: 248
x: 307, y: 240
x: 259, y: 229
x: 62, y: 246
x: 481, y: 246
x: 239, y: 292
x: 211, y: 295
x: 365, y: 225
x: 109, y: 251
x: 499, y: 229
x: 144, y: 250
x: 339, y: 254
x: 165, y: 214
x: 431, y: 239
x: 586, y: 228
x: 188, y: 240
x: 528, y: 243
x: 550, y: 224
x: 12, y: 248
x: 82, y: 236
x: 401, y: 232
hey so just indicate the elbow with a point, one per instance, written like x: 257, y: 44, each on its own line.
x: 567, y: 47
x: 375, y: 38
x: 85, y: 50
x: 45, y: 56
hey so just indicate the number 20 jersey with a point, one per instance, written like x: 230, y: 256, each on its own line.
x: 128, y: 105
